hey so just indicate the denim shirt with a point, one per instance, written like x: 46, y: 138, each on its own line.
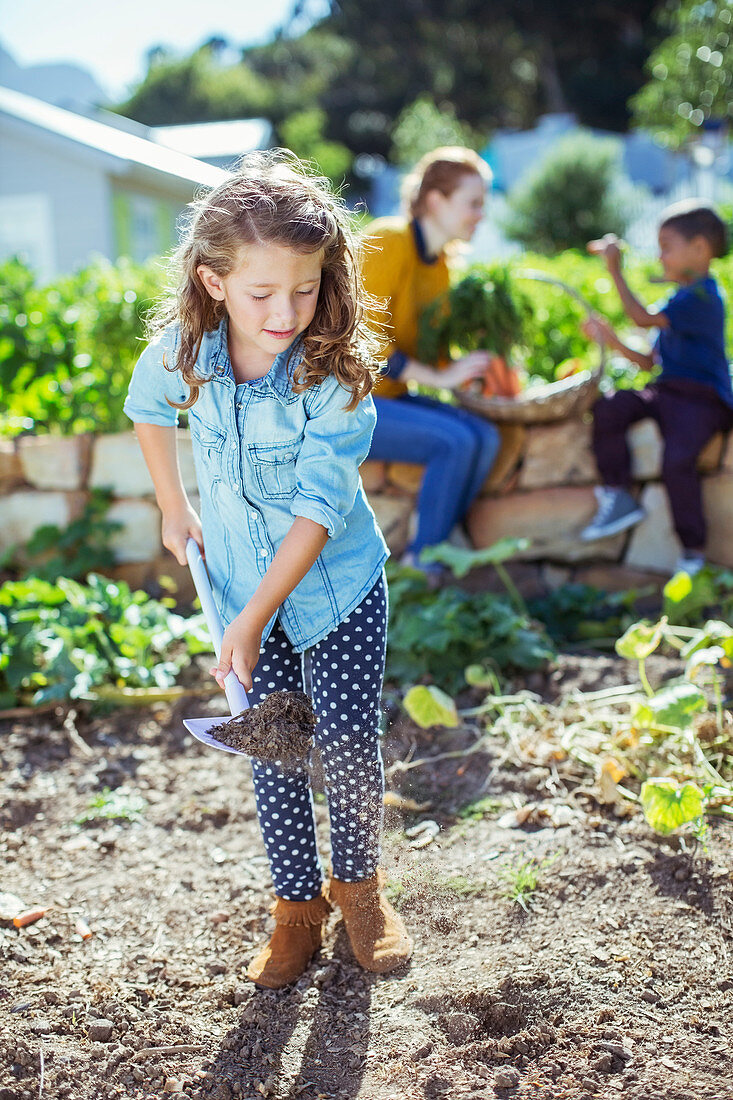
x: 263, y: 455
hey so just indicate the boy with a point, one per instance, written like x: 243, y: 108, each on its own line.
x: 692, y: 397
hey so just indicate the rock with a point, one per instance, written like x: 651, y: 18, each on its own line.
x: 558, y: 454
x: 602, y: 1064
x: 406, y: 476
x: 459, y: 1026
x: 718, y: 503
x: 11, y: 471
x: 21, y: 513
x: 172, y: 1084
x: 216, y: 968
x: 393, y: 516
x: 220, y: 917
x: 373, y: 476
x: 550, y: 518
x: 653, y: 543
x: 55, y: 461
x: 503, y: 472
x: 650, y: 996
x: 139, y: 537
x: 100, y: 1031
x: 118, y: 464
x: 506, y: 1078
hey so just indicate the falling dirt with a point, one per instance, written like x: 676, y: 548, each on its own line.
x: 280, y: 728
x: 616, y: 981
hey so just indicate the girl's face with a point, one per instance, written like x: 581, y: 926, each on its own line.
x: 270, y: 297
x: 457, y: 215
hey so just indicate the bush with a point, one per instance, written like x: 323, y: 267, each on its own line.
x: 67, y: 349
x: 571, y: 197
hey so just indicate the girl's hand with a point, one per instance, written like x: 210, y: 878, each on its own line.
x: 598, y: 329
x: 240, y: 651
x: 609, y: 247
x: 462, y: 370
x: 178, y: 526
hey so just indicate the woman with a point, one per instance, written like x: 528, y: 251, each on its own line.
x: 405, y: 269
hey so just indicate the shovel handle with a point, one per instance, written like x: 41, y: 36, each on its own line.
x: 235, y: 693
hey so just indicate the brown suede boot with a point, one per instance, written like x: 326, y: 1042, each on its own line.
x: 377, y: 935
x: 293, y: 944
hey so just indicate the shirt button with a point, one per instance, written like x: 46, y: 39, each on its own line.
x: 263, y: 553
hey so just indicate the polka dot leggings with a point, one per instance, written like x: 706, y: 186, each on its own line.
x: 343, y: 675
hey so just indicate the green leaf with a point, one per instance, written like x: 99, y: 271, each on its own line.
x: 673, y: 706
x: 640, y: 640
x: 667, y: 804
x: 461, y: 560
x: 429, y: 706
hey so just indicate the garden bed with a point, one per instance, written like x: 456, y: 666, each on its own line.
x: 615, y: 978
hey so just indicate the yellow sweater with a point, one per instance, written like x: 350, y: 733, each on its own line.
x: 395, y: 274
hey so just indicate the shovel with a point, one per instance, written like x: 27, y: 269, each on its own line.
x: 235, y: 693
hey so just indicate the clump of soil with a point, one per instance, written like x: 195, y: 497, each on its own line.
x: 281, y: 728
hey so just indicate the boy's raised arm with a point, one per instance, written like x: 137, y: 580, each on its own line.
x: 609, y: 249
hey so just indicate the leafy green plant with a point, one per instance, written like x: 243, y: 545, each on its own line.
x: 688, y: 598
x: 572, y: 196
x: 484, y: 310
x: 83, y: 546
x: 584, y: 613
x: 429, y: 706
x: 520, y: 880
x: 109, y: 805
x: 439, y: 634
x: 667, y: 805
x: 481, y: 808
x: 67, y: 349
x: 71, y: 640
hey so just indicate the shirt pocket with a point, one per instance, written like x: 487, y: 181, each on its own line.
x: 274, y: 467
x: 208, y: 444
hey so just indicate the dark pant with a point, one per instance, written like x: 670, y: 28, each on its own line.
x: 456, y: 447
x: 688, y: 415
x: 343, y: 675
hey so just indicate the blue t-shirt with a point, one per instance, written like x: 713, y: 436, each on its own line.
x: 693, y: 346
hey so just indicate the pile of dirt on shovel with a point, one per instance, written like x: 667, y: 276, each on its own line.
x: 280, y: 728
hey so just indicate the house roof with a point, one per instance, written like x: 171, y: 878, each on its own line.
x: 129, y: 150
x: 215, y: 139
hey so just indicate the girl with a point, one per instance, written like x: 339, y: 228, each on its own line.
x: 405, y: 266
x: 264, y: 344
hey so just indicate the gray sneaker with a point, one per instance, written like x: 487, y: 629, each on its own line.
x: 617, y: 510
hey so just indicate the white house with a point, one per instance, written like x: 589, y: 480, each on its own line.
x: 72, y: 187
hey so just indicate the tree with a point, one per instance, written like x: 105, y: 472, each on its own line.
x: 690, y: 73
x: 303, y: 133
x: 196, y: 89
x: 424, y: 126
x: 571, y: 197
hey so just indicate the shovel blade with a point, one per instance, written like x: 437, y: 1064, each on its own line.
x: 200, y: 727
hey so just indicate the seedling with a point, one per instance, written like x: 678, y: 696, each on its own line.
x: 112, y: 805
x: 482, y: 807
x: 520, y: 880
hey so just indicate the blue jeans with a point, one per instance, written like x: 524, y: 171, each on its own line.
x: 456, y: 448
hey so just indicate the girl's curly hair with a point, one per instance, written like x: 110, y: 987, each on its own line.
x: 273, y: 198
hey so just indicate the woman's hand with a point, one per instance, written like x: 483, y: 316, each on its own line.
x: 240, y: 650
x: 462, y: 370
x: 609, y: 248
x: 180, y: 524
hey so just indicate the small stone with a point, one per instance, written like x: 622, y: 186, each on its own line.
x: 459, y: 1026
x: 219, y: 917
x: 172, y: 1084
x: 681, y: 874
x: 650, y: 996
x: 216, y: 968
x: 602, y: 1064
x: 100, y: 1031
x: 421, y: 1052
x: 506, y: 1078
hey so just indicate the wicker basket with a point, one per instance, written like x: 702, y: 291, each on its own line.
x: 552, y: 401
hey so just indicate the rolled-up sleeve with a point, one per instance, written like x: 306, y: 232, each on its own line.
x: 152, y: 383
x: 335, y: 444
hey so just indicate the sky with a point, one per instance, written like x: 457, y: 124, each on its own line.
x: 110, y: 38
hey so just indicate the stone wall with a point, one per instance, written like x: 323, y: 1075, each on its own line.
x: 541, y: 488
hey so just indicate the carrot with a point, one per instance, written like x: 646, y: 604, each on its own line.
x: 500, y: 380
x: 30, y: 916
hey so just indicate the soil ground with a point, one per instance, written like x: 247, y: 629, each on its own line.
x: 616, y: 982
